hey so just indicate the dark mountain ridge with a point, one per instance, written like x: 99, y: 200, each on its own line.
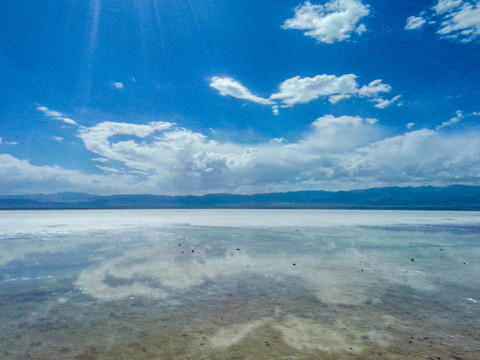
x: 460, y: 197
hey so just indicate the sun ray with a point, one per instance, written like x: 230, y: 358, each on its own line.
x: 94, y: 11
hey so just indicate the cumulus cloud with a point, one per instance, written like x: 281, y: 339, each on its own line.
x: 229, y: 87
x: 419, y: 157
x: 335, y: 21
x: 118, y: 85
x: 57, y: 138
x: 299, y: 90
x: 415, y: 22
x: 345, y: 151
x: 275, y: 110
x: 55, y: 115
x: 452, y: 121
x: 335, y: 153
x: 174, y: 156
x: 455, y: 19
x: 21, y: 177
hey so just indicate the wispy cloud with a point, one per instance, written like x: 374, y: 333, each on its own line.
x: 7, y: 142
x: 229, y: 87
x: 415, y: 22
x: 101, y: 160
x: 455, y: 19
x: 55, y: 115
x: 108, y: 169
x: 382, y: 103
x: 335, y: 21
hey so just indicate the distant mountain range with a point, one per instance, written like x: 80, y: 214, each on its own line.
x: 458, y: 197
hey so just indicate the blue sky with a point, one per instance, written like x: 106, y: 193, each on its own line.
x: 241, y: 96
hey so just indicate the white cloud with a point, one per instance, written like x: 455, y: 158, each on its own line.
x: 55, y: 115
x: 444, y: 6
x: 410, y: 125
x: 329, y: 23
x: 456, y: 19
x: 102, y: 160
x: 7, y: 142
x: 57, y: 138
x: 461, y: 20
x: 176, y: 157
x: 415, y: 23
x: 299, y: 90
x: 335, y: 153
x: 382, y: 103
x: 180, y: 161
x: 452, y: 121
x: 21, y: 177
x: 418, y: 158
x: 96, y: 139
x: 275, y: 110
x: 229, y: 87
x: 67, y: 120
x: 108, y: 169
x: 348, y: 151
x: 118, y: 85
x: 332, y: 134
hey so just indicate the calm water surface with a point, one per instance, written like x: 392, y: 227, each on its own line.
x: 239, y: 284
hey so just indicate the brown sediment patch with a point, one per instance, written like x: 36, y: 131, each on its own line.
x: 302, y: 335
x: 307, y: 334
x: 172, y: 333
x: 230, y: 335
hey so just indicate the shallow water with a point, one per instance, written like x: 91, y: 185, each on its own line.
x: 239, y: 284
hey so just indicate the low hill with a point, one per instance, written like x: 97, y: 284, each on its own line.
x: 458, y: 197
